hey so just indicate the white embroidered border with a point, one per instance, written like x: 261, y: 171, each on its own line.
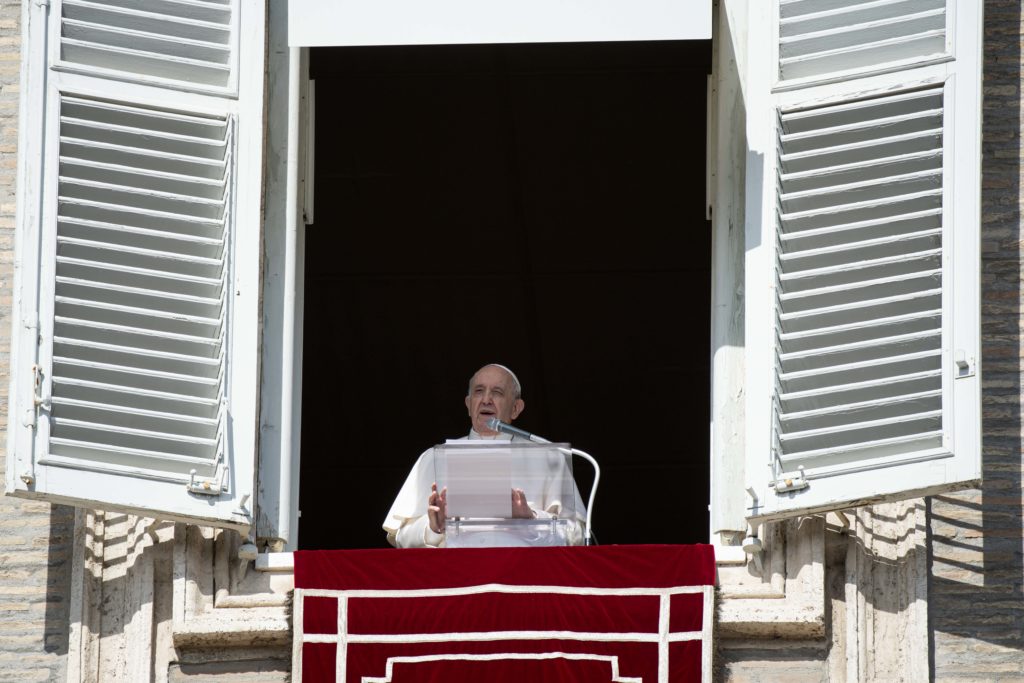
x: 487, y: 636
x: 500, y: 588
x: 663, y: 637
x: 611, y: 659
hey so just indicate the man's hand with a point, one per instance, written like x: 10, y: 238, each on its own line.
x: 437, y: 508
x: 520, y: 508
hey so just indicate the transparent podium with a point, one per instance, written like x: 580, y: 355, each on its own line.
x: 482, y: 478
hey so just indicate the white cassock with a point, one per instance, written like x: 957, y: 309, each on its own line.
x: 407, y: 525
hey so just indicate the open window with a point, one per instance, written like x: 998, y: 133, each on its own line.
x: 535, y: 205
x: 137, y: 281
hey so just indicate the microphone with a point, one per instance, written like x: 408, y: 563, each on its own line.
x: 499, y: 426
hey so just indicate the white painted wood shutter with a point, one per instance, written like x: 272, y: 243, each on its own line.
x: 136, y: 295
x: 862, y: 266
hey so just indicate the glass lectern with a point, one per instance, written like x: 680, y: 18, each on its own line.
x: 481, y: 476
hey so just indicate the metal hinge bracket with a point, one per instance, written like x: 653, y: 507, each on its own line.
x: 787, y: 482
x: 30, y: 416
x: 208, y: 487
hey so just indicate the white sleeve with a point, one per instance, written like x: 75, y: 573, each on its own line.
x: 416, y: 533
x: 411, y: 503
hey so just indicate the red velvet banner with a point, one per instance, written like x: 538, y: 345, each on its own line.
x: 504, y: 615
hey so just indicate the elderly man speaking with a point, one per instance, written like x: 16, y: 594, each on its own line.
x: 417, y: 517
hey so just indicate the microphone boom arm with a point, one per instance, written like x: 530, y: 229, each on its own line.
x: 497, y: 425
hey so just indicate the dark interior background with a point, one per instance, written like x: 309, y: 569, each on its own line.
x: 540, y: 206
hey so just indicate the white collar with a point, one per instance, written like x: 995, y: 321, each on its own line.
x: 500, y: 436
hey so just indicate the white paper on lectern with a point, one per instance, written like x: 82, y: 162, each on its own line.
x: 479, y: 482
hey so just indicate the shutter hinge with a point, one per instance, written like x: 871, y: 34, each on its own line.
x: 208, y: 487
x: 785, y: 483
x: 31, y: 415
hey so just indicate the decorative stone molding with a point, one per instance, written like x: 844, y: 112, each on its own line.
x: 218, y: 601
x: 886, y: 620
x: 785, y: 596
x: 146, y: 594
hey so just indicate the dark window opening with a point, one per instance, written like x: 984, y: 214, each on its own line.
x: 541, y: 206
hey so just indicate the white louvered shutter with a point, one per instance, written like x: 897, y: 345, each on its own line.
x: 863, y: 261
x: 134, y: 373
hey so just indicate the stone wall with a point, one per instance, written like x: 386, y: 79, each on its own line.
x: 35, y: 538
x: 977, y: 557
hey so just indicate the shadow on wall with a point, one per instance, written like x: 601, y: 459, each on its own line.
x: 59, y: 562
x: 976, y: 602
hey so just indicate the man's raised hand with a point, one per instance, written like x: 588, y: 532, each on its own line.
x: 437, y: 508
x: 520, y: 508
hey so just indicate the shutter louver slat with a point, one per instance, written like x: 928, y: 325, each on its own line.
x: 134, y: 217
x: 147, y: 420
x: 126, y: 376
x: 89, y: 392
x: 866, y: 230
x: 834, y: 436
x: 140, y: 289
x: 856, y: 332
x: 860, y: 411
x: 167, y: 183
x: 126, y: 437
x: 85, y: 32
x: 819, y: 38
x: 71, y: 288
x: 831, y: 396
x: 859, y: 352
x: 89, y: 312
x: 168, y: 342
x: 850, y: 458
x: 85, y: 455
x: 171, y: 41
x: 828, y: 298
x: 847, y: 273
x: 865, y: 248
x: 151, y: 240
x: 863, y: 312
x: 179, y: 262
x: 175, y: 364
x: 858, y: 303
x: 134, y: 156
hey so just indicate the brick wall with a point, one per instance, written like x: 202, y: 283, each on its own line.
x: 976, y: 604
x: 35, y: 538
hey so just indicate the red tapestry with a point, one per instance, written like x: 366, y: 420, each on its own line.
x: 605, y: 614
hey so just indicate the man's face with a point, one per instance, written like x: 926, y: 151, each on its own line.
x: 492, y: 394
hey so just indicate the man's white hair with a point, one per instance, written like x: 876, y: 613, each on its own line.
x: 517, y: 388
